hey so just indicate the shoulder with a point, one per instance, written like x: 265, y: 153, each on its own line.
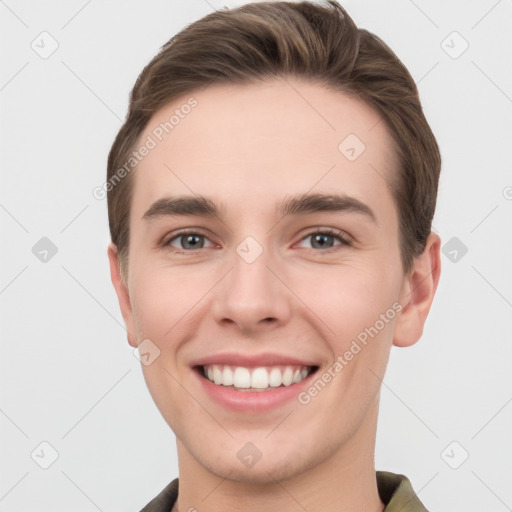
x: 165, y: 500
x: 397, y: 494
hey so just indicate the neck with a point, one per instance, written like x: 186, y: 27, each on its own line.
x: 343, y: 481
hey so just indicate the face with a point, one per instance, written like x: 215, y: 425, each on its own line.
x: 248, y: 283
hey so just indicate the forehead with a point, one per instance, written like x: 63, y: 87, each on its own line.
x: 248, y: 145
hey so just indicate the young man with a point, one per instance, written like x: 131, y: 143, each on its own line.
x: 270, y: 202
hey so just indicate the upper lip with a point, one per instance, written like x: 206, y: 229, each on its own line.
x: 250, y: 360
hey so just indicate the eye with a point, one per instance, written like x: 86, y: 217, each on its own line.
x: 321, y: 238
x: 187, y: 241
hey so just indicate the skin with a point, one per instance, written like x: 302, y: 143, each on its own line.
x: 248, y: 147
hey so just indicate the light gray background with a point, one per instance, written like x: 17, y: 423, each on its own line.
x: 68, y: 375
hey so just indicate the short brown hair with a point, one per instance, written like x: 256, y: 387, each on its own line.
x: 320, y: 43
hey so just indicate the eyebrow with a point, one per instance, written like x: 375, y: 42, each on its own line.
x: 301, y: 204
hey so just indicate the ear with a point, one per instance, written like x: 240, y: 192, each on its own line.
x: 417, y: 293
x: 122, y: 294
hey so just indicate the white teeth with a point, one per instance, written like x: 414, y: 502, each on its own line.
x: 275, y: 378
x: 255, y: 378
x: 259, y: 378
x: 217, y: 375
x: 227, y: 376
x: 241, y: 377
x: 287, y: 376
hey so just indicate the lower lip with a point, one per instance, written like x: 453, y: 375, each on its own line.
x: 253, y: 401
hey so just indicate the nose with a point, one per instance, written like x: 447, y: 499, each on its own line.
x: 252, y: 296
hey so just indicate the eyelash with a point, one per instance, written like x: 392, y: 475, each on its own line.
x: 339, y: 235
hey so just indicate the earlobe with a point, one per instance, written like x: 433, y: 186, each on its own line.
x: 418, y: 293
x: 123, y: 296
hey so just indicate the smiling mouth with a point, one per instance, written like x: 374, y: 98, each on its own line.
x: 262, y: 378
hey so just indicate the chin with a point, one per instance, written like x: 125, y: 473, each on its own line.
x: 275, y: 466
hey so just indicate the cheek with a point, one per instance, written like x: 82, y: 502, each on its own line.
x: 152, y: 306
x: 165, y: 298
x: 166, y: 303
x: 359, y: 308
x: 349, y: 299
